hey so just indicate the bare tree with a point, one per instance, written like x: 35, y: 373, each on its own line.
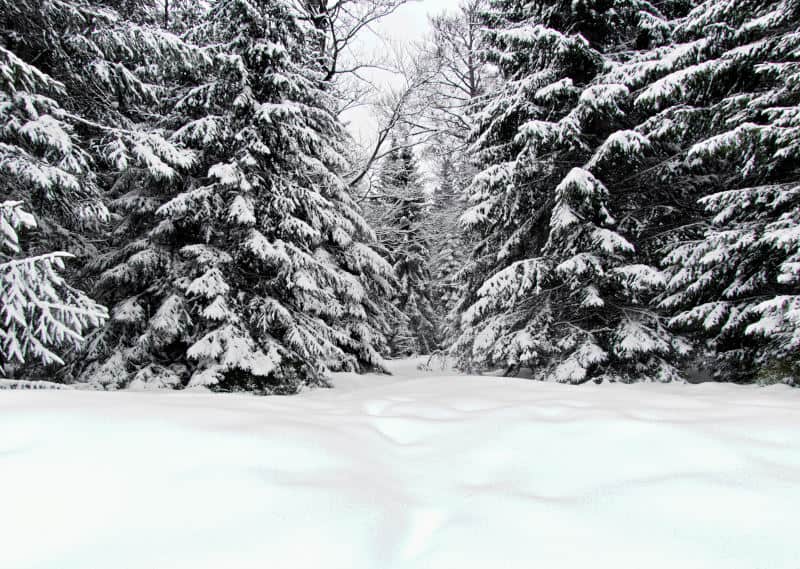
x: 430, y: 87
x: 455, y: 47
x: 340, y: 23
x: 399, y: 108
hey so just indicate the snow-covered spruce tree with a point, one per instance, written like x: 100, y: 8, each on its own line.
x: 176, y: 16
x: 73, y: 97
x: 451, y: 95
x: 398, y: 209
x: 448, y: 245
x: 42, y: 160
x: 256, y: 274
x: 724, y: 107
x: 39, y: 311
x: 72, y: 100
x: 556, y: 286
x: 76, y: 101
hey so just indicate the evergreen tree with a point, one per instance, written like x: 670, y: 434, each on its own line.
x: 448, y: 242
x: 255, y: 273
x: 399, y: 210
x: 75, y: 86
x: 43, y: 163
x: 709, y: 116
x: 724, y: 99
x: 555, y: 283
x: 197, y: 178
x: 452, y: 93
x: 39, y: 311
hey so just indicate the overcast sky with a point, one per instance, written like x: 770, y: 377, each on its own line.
x: 407, y: 24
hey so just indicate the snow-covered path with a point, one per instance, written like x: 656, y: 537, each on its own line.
x: 421, y: 470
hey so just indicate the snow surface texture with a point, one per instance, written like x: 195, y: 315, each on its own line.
x: 419, y: 470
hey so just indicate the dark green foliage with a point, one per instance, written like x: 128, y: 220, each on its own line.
x: 399, y: 211
x: 253, y: 272
x: 557, y: 282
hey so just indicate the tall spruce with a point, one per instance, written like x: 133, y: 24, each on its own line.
x: 448, y: 242
x: 74, y: 95
x: 557, y: 282
x: 75, y: 86
x: 253, y: 273
x: 461, y: 78
x: 399, y: 210
x: 725, y: 100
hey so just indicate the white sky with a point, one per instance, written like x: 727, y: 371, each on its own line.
x: 409, y: 23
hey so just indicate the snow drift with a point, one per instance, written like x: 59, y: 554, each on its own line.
x: 420, y: 470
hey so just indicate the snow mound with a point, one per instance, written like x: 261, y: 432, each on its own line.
x: 417, y: 470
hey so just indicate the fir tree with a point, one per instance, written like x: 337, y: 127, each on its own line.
x: 448, y: 241
x: 74, y: 97
x: 39, y: 311
x: 42, y: 160
x: 556, y: 285
x: 710, y: 117
x: 399, y: 212
x: 460, y: 80
x: 725, y: 100
x: 255, y: 273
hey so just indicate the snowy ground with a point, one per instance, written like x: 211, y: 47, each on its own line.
x: 420, y: 470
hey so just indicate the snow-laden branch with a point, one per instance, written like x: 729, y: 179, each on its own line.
x: 39, y: 311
